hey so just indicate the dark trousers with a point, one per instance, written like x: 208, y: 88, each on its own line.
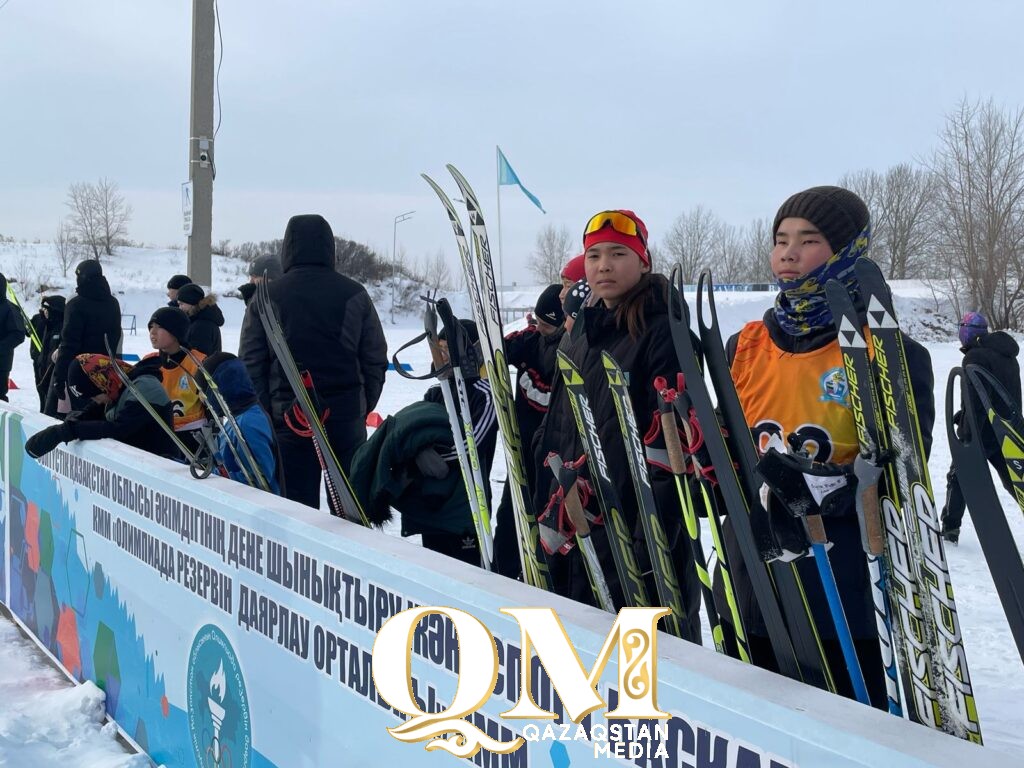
x: 506, y: 544
x: 464, y: 548
x: 300, y: 465
x: 953, y: 512
x: 6, y: 363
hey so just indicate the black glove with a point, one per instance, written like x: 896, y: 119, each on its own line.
x: 801, y: 487
x: 807, y: 487
x: 430, y: 464
x: 45, y: 441
x: 247, y: 291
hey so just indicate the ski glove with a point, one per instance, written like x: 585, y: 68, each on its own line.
x: 807, y: 487
x: 800, y: 487
x: 45, y: 441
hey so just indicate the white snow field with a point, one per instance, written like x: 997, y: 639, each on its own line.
x: 45, y: 722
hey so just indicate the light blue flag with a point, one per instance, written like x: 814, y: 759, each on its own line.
x: 507, y: 176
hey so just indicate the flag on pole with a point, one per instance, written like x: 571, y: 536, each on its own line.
x: 507, y: 176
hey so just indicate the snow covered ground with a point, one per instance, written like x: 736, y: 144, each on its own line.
x: 44, y: 723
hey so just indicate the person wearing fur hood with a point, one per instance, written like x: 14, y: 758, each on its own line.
x: 205, y: 316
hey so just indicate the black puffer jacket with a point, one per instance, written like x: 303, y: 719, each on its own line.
x: 329, y: 323
x: 49, y: 335
x: 204, y: 329
x: 127, y: 419
x: 642, y: 359
x: 92, y: 314
x: 12, y: 327
x: 997, y: 353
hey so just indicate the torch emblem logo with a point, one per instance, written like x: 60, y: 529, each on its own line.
x: 218, y: 708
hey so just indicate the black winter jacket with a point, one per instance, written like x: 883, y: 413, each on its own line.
x: 204, y: 328
x: 997, y: 353
x: 385, y: 476
x: 534, y: 357
x: 92, y: 314
x: 12, y: 331
x: 642, y: 359
x: 332, y: 329
x: 127, y: 420
x: 843, y: 529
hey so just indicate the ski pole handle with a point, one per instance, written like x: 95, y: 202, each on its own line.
x: 672, y: 443
x: 874, y: 536
x: 575, y: 510
x: 815, y: 529
x: 676, y: 460
x: 868, y: 472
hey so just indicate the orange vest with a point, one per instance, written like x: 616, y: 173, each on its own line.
x: 189, y: 412
x: 804, y: 394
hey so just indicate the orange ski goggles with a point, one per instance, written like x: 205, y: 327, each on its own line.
x: 619, y: 221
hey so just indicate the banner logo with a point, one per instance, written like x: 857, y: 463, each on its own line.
x: 218, y: 708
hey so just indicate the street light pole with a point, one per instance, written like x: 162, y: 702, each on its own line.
x: 394, y: 256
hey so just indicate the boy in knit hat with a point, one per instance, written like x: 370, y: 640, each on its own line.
x: 205, y: 318
x: 175, y: 284
x: 789, y: 375
x: 168, y: 327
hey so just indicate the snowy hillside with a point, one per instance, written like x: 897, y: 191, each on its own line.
x: 138, y: 277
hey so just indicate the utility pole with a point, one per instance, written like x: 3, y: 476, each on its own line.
x: 394, y: 257
x: 200, y: 144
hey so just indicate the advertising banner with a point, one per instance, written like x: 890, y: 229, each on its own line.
x: 232, y: 628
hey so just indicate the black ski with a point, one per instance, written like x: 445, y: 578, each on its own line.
x: 941, y: 626
x: 894, y: 588
x: 1006, y: 422
x: 987, y: 512
x: 620, y: 538
x: 666, y: 580
x: 737, y: 501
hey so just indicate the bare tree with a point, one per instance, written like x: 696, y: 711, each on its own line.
x: 114, y: 213
x: 726, y: 254
x: 691, y: 239
x: 908, y: 220
x: 979, y: 177
x: 434, y: 272
x: 756, y: 243
x: 86, y: 223
x: 901, y: 202
x: 65, y: 246
x: 552, y: 250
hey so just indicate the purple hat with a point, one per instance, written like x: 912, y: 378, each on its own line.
x: 972, y: 326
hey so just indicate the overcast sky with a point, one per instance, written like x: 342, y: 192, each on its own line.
x: 337, y: 107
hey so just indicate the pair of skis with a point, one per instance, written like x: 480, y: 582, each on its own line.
x: 29, y: 328
x: 913, y: 591
x: 975, y: 480
x: 200, y: 460
x: 479, y: 273
x: 454, y: 372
